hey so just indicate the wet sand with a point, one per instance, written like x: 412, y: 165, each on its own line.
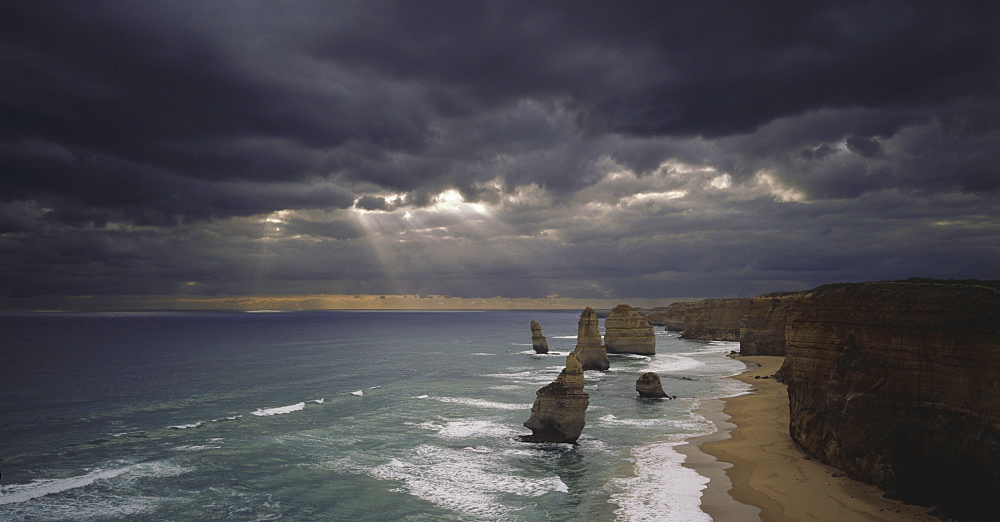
x: 756, y: 472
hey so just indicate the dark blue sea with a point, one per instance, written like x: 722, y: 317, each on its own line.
x: 331, y: 415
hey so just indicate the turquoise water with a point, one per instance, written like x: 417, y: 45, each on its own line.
x: 335, y: 416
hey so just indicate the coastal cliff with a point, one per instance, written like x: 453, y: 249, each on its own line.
x: 898, y: 384
x: 627, y: 331
x: 589, y: 348
x: 715, y: 319
x: 671, y: 317
x: 762, y: 327
x: 558, y: 414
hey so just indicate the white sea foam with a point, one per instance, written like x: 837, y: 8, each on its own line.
x: 373, y: 387
x: 658, y: 423
x: 281, y: 410
x: 662, y: 489
x: 563, y: 336
x: 463, y: 429
x: 15, y: 493
x: 673, y: 363
x: 186, y: 426
x: 422, y: 397
x: 483, y: 403
x: 473, y: 483
x: 196, y: 447
x: 359, y: 393
x: 482, y: 353
x: 38, y: 488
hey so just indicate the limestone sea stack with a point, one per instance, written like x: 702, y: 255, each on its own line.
x: 649, y: 386
x: 538, y: 342
x: 558, y: 414
x: 627, y: 331
x: 589, y: 349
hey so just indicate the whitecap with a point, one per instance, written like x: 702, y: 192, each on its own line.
x: 373, y: 387
x: 359, y: 393
x: 317, y: 401
x: 463, y: 429
x: 230, y: 418
x: 17, y: 493
x: 482, y: 403
x: 422, y: 397
x: 281, y: 410
x: 482, y: 353
x: 196, y: 447
x: 186, y: 426
x: 14, y: 493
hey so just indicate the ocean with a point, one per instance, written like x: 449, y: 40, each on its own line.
x: 334, y: 415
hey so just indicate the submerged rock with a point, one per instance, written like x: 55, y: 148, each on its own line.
x: 627, y: 331
x: 649, y: 386
x: 538, y: 342
x: 589, y: 348
x: 558, y: 413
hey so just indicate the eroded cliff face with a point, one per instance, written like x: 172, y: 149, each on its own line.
x: 715, y: 319
x: 589, y: 348
x: 559, y: 411
x: 627, y: 331
x: 538, y: 341
x: 898, y: 384
x: 762, y: 327
x: 671, y: 317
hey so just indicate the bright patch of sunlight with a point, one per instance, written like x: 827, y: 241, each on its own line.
x: 721, y: 182
x: 451, y: 201
x: 780, y: 192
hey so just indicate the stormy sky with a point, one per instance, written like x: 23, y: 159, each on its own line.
x: 501, y: 148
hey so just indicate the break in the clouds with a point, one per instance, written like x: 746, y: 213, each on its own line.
x: 478, y: 149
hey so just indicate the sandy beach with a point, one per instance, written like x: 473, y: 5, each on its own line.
x: 756, y: 472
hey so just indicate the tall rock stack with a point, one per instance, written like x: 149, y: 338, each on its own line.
x: 589, y: 349
x: 538, y: 341
x: 627, y: 331
x: 558, y: 414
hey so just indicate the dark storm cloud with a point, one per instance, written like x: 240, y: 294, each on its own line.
x: 130, y: 128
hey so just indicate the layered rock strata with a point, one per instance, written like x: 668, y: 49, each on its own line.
x: 559, y: 411
x: 898, y: 384
x: 626, y: 331
x: 670, y: 317
x: 762, y: 327
x: 650, y: 387
x: 589, y: 348
x: 538, y: 341
x: 715, y: 319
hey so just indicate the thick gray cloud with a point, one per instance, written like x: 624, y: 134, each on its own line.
x: 495, y: 148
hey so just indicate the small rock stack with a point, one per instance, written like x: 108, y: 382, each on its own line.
x: 538, y: 341
x: 559, y: 410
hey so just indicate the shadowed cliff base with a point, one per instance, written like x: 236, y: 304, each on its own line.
x: 757, y: 472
